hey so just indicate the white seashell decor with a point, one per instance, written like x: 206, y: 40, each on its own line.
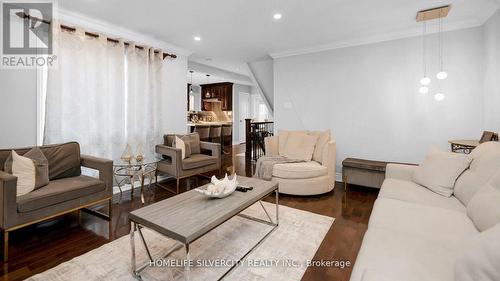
x: 220, y: 188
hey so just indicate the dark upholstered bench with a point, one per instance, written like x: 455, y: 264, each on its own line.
x: 363, y: 172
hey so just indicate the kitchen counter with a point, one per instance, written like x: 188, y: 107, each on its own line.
x: 190, y: 124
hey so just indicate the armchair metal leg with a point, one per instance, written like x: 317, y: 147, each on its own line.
x: 110, y: 213
x: 177, y: 185
x: 5, y: 246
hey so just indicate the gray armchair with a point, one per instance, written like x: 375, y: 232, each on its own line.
x: 68, y: 190
x: 207, y: 159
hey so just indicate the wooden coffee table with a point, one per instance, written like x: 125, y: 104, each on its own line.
x: 190, y: 215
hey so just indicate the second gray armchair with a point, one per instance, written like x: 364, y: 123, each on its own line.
x: 204, y: 157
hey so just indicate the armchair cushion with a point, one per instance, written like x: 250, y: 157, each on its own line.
x: 301, y: 170
x: 193, y: 140
x: 300, y: 146
x: 198, y: 160
x: 283, y: 138
x: 58, y: 191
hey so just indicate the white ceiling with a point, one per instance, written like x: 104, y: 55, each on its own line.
x: 201, y: 78
x: 234, y: 32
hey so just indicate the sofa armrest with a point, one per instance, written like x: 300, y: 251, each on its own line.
x: 400, y: 171
x: 175, y: 154
x: 214, y: 148
x: 329, y: 159
x: 271, y: 145
x: 104, y: 166
x: 8, y: 199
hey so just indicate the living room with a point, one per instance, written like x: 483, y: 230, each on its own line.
x: 250, y: 140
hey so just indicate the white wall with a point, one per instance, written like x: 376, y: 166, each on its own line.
x: 175, y: 104
x: 237, y: 89
x: 368, y: 96
x: 18, y: 108
x: 492, y: 73
x: 263, y: 72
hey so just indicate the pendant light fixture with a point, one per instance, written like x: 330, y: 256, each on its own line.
x: 207, y: 94
x: 425, y: 81
x: 424, y: 16
x: 441, y: 75
x: 191, y: 85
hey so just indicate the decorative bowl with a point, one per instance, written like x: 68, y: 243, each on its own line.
x: 219, y: 188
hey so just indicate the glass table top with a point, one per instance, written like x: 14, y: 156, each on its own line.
x: 148, y: 160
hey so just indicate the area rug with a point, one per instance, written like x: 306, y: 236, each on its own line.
x: 282, y: 256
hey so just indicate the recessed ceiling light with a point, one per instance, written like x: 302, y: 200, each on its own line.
x: 277, y: 16
x: 197, y: 38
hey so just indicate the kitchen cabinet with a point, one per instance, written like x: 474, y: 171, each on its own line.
x: 222, y: 92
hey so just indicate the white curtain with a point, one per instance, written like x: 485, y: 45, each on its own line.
x: 103, y: 95
x: 144, y: 84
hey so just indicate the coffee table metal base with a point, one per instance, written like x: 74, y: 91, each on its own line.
x: 136, y: 271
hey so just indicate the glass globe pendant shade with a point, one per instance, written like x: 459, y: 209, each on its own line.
x: 423, y: 90
x: 425, y: 81
x: 441, y: 75
x: 439, y: 96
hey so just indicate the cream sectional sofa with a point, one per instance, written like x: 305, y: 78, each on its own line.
x: 415, y: 234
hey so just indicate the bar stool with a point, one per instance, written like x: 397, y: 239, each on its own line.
x: 215, y: 133
x: 227, y: 132
x: 203, y: 131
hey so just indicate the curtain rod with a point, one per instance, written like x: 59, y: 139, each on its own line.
x: 95, y: 35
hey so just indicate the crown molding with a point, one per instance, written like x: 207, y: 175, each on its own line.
x: 95, y: 25
x: 400, y: 34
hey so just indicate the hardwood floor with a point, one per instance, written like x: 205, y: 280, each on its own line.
x: 37, y: 248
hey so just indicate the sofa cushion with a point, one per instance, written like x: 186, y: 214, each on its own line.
x: 31, y: 170
x: 198, y: 160
x: 405, y: 256
x: 323, y: 138
x: 58, y: 191
x: 440, y: 170
x: 481, y: 259
x: 300, y: 146
x: 484, y: 207
x: 485, y: 163
x: 412, y: 192
x: 431, y: 223
x: 301, y: 170
x: 64, y: 159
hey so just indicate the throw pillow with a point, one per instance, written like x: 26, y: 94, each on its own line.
x: 485, y: 164
x: 323, y: 138
x: 440, y: 170
x: 484, y: 207
x: 183, y: 146
x: 300, y: 146
x: 282, y: 139
x: 480, y: 262
x: 31, y: 170
x: 193, y: 142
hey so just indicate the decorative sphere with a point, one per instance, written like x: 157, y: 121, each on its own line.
x: 425, y: 81
x: 441, y: 75
x: 423, y: 90
x: 439, y: 96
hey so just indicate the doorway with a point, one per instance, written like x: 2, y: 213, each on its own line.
x: 244, y: 112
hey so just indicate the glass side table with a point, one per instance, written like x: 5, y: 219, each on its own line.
x: 134, y: 170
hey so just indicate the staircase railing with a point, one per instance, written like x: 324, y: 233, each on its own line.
x: 255, y: 132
